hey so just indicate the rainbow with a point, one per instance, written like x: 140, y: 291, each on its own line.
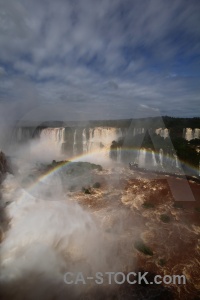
x: 88, y: 157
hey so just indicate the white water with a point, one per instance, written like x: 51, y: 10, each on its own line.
x: 75, y: 143
x: 154, y: 159
x: 23, y: 134
x: 102, y: 137
x: 142, y: 158
x: 163, y: 132
x: 49, y: 144
x: 119, y: 154
x: 96, y: 146
x: 177, y: 161
x: 46, y: 238
x: 95, y: 143
x: 137, y: 131
x: 191, y: 134
x: 197, y: 133
x: 85, y: 143
x: 161, y: 157
x: 53, y: 136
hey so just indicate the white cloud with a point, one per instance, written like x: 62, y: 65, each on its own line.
x: 71, y: 51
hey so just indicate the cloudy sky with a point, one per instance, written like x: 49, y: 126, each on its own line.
x: 99, y: 59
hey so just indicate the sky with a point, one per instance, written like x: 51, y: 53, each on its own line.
x: 99, y: 59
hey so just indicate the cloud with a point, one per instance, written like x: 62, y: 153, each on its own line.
x: 108, y: 56
x: 2, y: 71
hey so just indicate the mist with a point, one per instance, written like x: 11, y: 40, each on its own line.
x: 49, y: 233
x: 82, y: 183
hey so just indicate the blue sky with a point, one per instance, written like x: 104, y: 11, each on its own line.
x: 92, y: 59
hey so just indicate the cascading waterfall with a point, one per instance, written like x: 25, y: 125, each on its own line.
x: 85, y: 146
x: 161, y: 157
x: 142, y: 158
x: 75, y: 143
x: 119, y: 154
x: 23, y: 134
x: 168, y: 160
x: 58, y: 140
x: 119, y: 132
x: 162, y: 132
x: 19, y: 134
x: 190, y: 134
x: 197, y: 133
x: 176, y: 161
x: 138, y: 131
x: 102, y: 138
x: 154, y: 158
x: 165, y: 133
x: 55, y: 135
x: 52, y: 138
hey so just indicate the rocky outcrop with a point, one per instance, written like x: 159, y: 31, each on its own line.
x: 4, y: 166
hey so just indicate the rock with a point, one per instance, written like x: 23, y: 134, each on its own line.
x: 4, y: 166
x: 87, y: 190
x: 96, y: 185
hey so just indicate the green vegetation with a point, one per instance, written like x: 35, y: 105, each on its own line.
x: 80, y: 168
x: 178, y: 205
x: 181, y: 122
x: 165, y: 218
x: 74, y: 166
x: 195, y: 142
x: 197, y: 209
x: 162, y: 262
x: 148, y: 204
x: 185, y: 152
x: 140, y: 246
x: 87, y: 190
x: 96, y: 185
x: 183, y: 149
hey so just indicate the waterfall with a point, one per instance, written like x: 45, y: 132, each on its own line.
x: 102, y: 138
x: 154, y: 158
x: 166, y: 133
x: 119, y: 154
x: 119, y: 132
x: 199, y: 168
x: 197, y: 133
x: 189, y: 134
x: 74, y: 143
x: 142, y: 158
x: 85, y: 144
x: 175, y: 161
x: 23, y: 134
x: 56, y: 135
x: 52, y: 138
x: 138, y: 131
x: 168, y: 160
x: 19, y: 134
x: 162, y: 132
x: 161, y: 157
